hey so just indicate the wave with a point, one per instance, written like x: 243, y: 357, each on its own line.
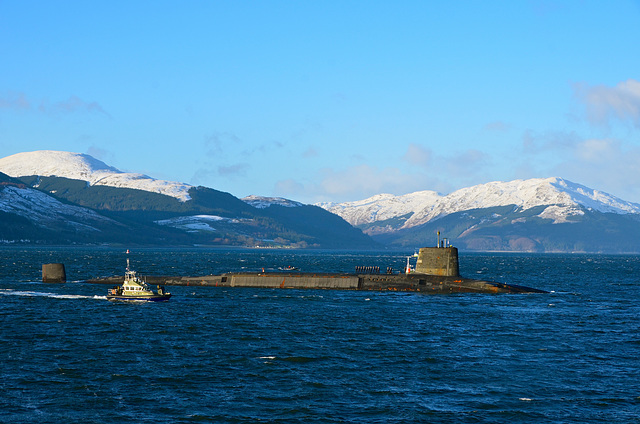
x: 10, y: 292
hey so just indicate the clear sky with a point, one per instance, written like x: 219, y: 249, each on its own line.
x: 329, y: 100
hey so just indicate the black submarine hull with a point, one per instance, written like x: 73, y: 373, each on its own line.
x: 413, y: 282
x: 436, y: 272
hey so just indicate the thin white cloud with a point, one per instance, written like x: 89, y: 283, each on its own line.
x: 604, y: 164
x: 604, y: 103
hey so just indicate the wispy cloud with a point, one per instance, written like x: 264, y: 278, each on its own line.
x: 311, y: 152
x: 100, y: 153
x: 418, y: 155
x: 604, y: 103
x: 263, y: 148
x: 203, y: 176
x: 289, y: 188
x: 468, y: 162
x: 15, y: 101
x: 74, y: 104
x: 207, y: 175
x: 219, y: 142
x: 497, y: 126
x: 238, y: 169
x: 536, y: 142
x: 354, y: 183
x: 604, y: 164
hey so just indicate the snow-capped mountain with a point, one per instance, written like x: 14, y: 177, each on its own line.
x: 381, y: 207
x: 50, y: 163
x: 540, y: 214
x: 562, y: 199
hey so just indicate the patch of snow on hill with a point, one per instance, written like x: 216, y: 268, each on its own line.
x: 50, y: 163
x: 195, y: 223
x: 42, y: 209
x: 560, y: 214
x: 262, y: 202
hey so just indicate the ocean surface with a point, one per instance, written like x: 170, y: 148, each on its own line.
x: 236, y: 355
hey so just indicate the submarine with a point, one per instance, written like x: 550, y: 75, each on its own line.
x: 436, y: 272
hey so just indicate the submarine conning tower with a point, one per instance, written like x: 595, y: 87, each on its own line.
x: 439, y: 260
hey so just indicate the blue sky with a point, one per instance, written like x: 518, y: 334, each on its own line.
x: 329, y: 100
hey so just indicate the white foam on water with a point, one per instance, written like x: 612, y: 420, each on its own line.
x: 10, y: 292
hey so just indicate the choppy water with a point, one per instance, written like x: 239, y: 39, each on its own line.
x: 303, y: 356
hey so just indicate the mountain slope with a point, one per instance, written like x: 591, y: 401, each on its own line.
x: 30, y: 215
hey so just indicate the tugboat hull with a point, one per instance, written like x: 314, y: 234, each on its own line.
x: 134, y: 289
x: 155, y: 298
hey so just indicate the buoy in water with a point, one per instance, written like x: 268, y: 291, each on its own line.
x: 53, y: 273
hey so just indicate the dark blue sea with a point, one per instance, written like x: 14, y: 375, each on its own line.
x: 241, y: 355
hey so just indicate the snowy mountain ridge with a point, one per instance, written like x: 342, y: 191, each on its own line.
x: 50, y: 163
x: 563, y: 199
x: 381, y: 206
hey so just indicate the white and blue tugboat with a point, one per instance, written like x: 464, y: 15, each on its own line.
x: 134, y: 288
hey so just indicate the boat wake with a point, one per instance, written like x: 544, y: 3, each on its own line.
x: 10, y: 292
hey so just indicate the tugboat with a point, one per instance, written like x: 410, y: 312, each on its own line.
x: 134, y: 288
